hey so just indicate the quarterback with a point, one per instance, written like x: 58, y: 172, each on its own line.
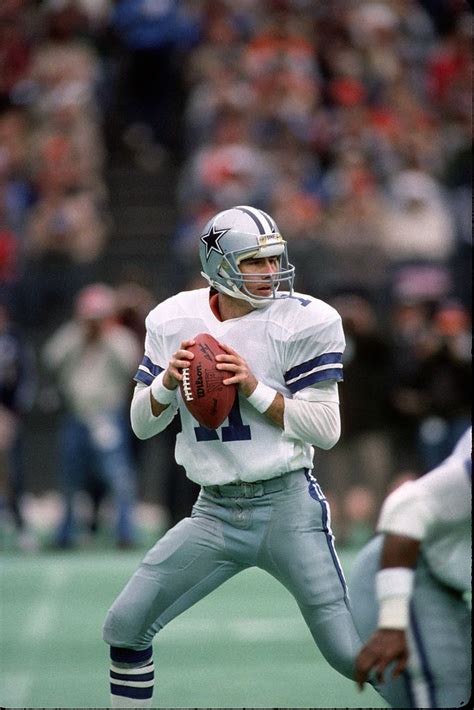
x: 409, y: 589
x: 260, y: 504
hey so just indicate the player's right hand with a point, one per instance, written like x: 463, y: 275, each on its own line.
x: 173, y: 374
x: 385, y: 646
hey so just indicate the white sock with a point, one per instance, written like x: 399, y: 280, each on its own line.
x: 123, y: 702
x: 129, y: 685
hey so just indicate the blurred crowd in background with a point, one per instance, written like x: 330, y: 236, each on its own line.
x: 348, y: 121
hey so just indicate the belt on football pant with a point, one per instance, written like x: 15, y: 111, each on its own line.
x: 254, y: 489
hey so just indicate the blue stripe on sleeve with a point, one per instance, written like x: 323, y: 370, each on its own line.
x: 143, y: 377
x: 147, y: 371
x: 330, y: 373
x: 325, y: 359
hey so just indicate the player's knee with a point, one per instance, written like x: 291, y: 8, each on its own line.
x: 119, y: 628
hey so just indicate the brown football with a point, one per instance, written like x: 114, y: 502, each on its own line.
x: 202, y: 388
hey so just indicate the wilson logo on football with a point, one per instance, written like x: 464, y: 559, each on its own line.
x: 199, y: 382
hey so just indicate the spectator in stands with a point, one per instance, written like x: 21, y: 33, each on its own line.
x: 410, y: 325
x: 231, y: 168
x: 431, y: 374
x: 133, y: 303
x: 417, y: 228
x: 443, y: 383
x: 153, y: 35
x: 9, y: 262
x: 56, y: 153
x: 92, y: 360
x: 214, y: 75
x: 17, y: 392
x: 364, y: 457
x: 65, y: 236
x: 16, y: 198
x: 15, y: 45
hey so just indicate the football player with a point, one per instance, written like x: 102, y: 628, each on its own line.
x: 260, y: 503
x: 409, y: 586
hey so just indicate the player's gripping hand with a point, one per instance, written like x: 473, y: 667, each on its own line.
x: 243, y: 377
x: 383, y: 647
x: 173, y: 374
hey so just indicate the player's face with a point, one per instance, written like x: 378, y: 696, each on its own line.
x: 260, y: 272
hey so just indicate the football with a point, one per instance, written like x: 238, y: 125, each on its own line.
x: 202, y: 388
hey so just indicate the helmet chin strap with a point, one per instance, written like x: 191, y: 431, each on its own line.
x: 234, y: 292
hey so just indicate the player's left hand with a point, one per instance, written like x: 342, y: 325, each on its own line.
x: 385, y: 646
x: 243, y: 377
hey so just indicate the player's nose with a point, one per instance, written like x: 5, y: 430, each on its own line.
x: 269, y: 265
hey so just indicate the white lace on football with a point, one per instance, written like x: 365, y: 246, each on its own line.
x: 188, y: 395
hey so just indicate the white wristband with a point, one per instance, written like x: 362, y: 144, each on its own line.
x: 262, y: 397
x: 394, y: 587
x: 161, y: 393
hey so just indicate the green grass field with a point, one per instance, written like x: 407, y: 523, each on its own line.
x: 243, y: 646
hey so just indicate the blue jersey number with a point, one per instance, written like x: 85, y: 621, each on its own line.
x: 235, y: 430
x: 303, y: 301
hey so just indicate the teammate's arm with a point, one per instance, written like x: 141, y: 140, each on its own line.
x: 406, y: 518
x: 394, y: 585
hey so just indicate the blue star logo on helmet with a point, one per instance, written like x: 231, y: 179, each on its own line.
x: 211, y: 240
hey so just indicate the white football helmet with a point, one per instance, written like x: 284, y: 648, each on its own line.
x: 239, y: 233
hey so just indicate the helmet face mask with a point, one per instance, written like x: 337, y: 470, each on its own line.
x: 244, y: 233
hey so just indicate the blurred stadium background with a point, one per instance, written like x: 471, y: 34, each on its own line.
x: 124, y: 125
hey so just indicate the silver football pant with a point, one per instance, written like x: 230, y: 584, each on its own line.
x: 285, y: 532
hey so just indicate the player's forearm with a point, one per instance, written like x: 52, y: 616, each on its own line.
x: 276, y: 410
x: 314, y: 422
x: 317, y: 423
x: 395, y: 580
x: 149, y: 417
x: 399, y: 551
x: 157, y: 408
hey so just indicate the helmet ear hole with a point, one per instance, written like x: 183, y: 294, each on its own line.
x: 230, y: 275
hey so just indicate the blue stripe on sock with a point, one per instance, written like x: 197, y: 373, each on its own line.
x: 132, y: 676
x: 128, y: 691
x: 130, y: 655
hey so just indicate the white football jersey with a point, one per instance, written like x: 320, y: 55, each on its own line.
x: 291, y: 344
x: 436, y: 509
